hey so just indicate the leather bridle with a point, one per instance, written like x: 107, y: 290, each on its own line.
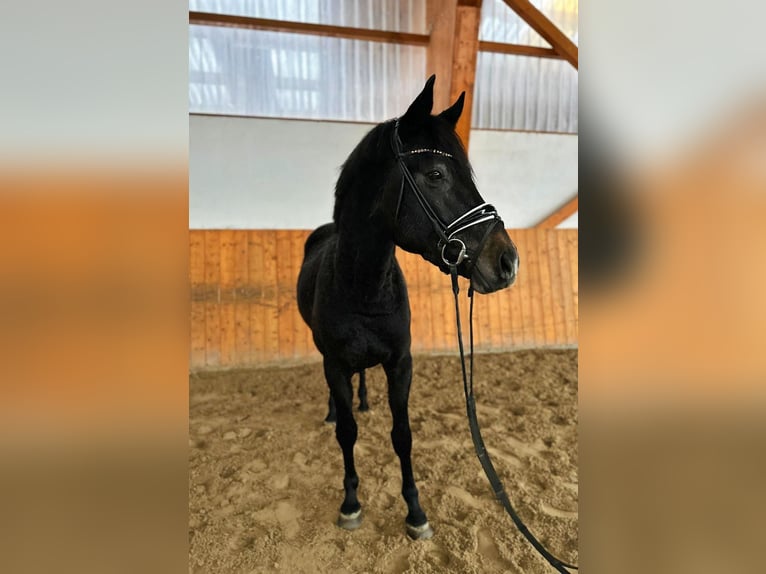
x: 483, y: 213
x: 448, y: 233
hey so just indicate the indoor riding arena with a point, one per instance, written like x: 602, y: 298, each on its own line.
x: 281, y: 93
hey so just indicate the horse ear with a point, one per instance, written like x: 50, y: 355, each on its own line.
x: 421, y: 107
x: 452, y: 113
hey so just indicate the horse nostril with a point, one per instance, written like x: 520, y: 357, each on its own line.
x: 509, y: 263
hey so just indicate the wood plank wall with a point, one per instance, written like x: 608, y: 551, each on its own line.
x: 244, y: 311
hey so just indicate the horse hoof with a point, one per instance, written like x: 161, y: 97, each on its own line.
x: 350, y: 521
x: 330, y: 419
x: 422, y: 532
x: 364, y: 408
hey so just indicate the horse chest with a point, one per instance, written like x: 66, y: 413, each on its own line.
x: 367, y: 340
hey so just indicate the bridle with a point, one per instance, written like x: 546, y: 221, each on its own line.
x: 483, y: 213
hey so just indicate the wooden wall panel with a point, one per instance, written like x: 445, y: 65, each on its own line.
x: 197, y: 307
x: 244, y: 310
x: 546, y: 288
x: 571, y: 241
x: 286, y: 303
x: 557, y: 292
x: 212, y: 298
x: 226, y: 312
x: 242, y: 327
x: 256, y: 299
x: 269, y: 301
x: 447, y: 313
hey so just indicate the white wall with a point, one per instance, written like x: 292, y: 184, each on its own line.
x: 526, y: 176
x: 261, y: 173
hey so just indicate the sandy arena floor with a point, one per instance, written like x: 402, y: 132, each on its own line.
x: 266, y: 472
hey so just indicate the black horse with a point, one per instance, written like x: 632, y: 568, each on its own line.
x: 398, y: 187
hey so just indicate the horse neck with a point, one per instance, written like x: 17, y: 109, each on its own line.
x: 365, y: 259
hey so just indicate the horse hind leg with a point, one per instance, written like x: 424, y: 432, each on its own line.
x: 346, y: 431
x: 331, y: 414
x: 363, y: 404
x: 399, y: 377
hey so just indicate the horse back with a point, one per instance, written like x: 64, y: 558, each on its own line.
x: 317, y: 238
x: 316, y: 245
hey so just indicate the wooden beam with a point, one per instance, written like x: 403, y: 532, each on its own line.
x: 547, y: 29
x: 231, y: 21
x: 441, y: 24
x: 466, y: 48
x: 519, y: 50
x: 559, y: 215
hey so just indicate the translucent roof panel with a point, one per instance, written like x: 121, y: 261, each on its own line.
x: 521, y: 92
x: 524, y: 93
x: 394, y: 15
x: 259, y: 73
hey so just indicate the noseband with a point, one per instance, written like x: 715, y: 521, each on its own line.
x: 447, y: 232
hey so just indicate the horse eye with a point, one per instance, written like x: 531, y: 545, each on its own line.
x: 434, y: 175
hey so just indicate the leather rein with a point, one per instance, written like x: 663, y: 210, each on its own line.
x: 483, y: 213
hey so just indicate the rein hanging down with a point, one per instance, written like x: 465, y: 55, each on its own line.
x: 478, y: 442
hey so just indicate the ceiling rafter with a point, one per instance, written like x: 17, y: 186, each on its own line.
x: 555, y: 218
x: 232, y: 21
x: 540, y: 23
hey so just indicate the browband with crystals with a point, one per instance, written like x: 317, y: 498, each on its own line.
x: 426, y: 150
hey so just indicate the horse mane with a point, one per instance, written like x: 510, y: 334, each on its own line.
x: 374, y: 153
x: 369, y: 156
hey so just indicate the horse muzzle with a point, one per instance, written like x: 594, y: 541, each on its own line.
x: 497, y: 266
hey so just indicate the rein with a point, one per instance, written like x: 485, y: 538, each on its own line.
x: 478, y: 442
x: 447, y: 235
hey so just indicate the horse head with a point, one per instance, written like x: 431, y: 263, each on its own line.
x: 431, y: 204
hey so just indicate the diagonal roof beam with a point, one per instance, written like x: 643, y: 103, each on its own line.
x: 560, y: 214
x: 547, y: 29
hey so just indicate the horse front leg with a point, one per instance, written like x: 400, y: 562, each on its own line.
x: 363, y: 404
x: 399, y: 376
x: 342, y: 394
